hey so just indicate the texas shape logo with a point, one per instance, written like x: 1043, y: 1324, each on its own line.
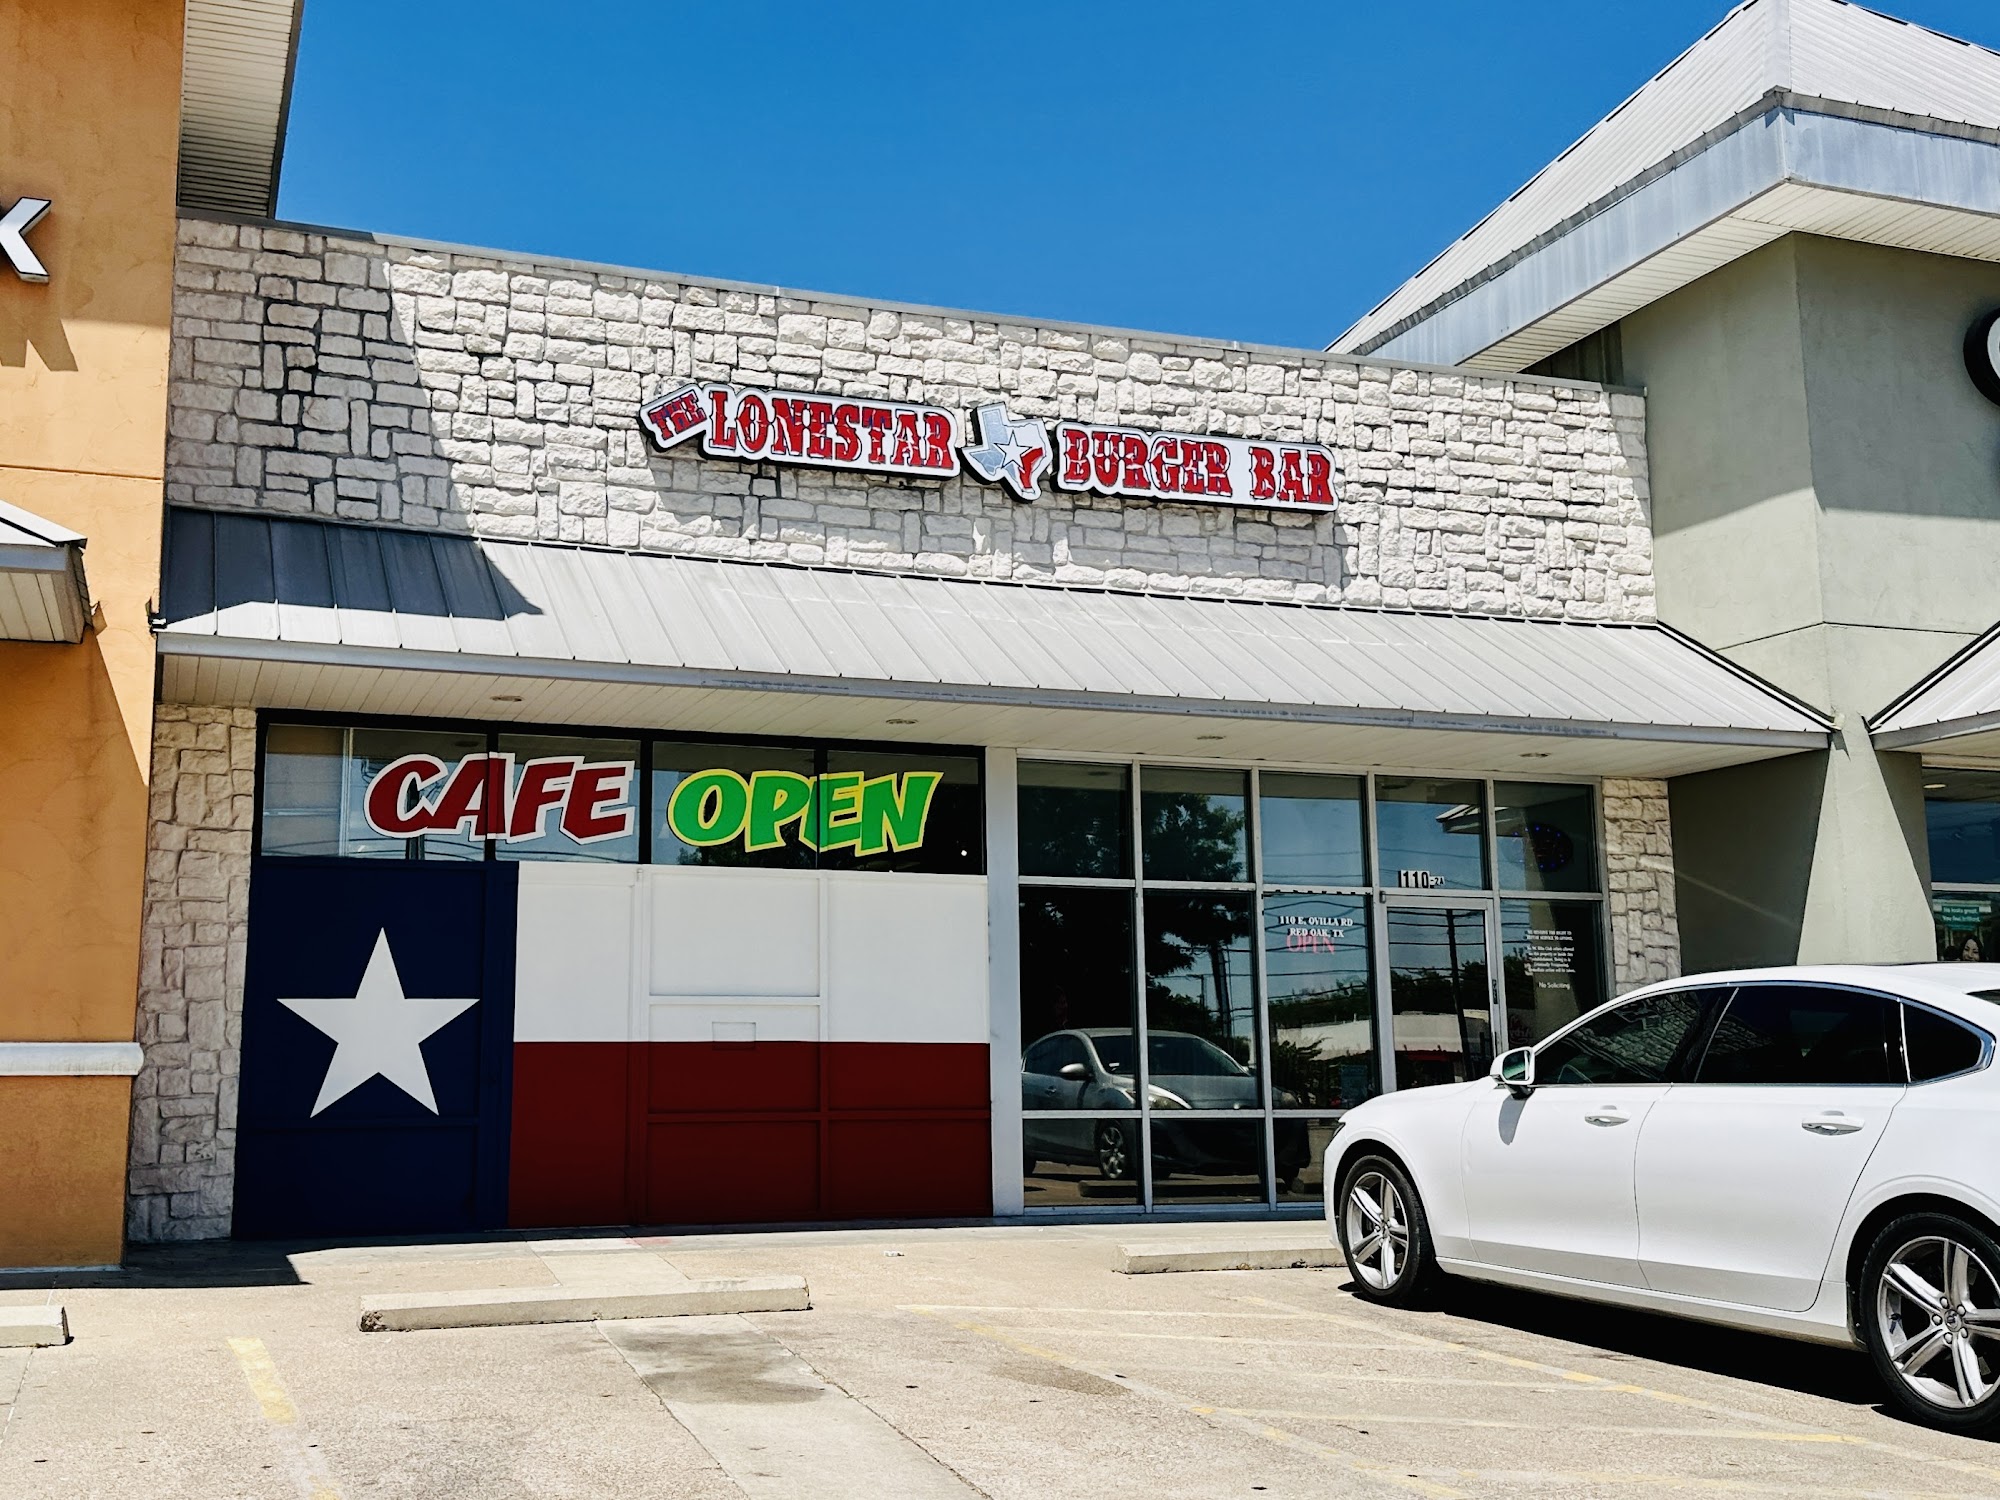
x: 1009, y: 450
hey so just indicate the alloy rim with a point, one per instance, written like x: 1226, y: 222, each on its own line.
x: 1378, y: 1231
x: 1937, y: 1307
x: 1111, y: 1152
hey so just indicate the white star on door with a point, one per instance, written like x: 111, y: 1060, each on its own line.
x: 379, y: 1032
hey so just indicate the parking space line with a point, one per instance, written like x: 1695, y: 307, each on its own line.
x: 302, y: 1456
x: 1743, y: 1434
x: 1215, y: 1416
x: 1197, y: 1338
x: 1605, y: 1383
x: 1545, y: 1479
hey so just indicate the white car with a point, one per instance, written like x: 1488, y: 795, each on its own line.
x: 1806, y: 1151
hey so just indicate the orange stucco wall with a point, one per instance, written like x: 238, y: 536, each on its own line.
x: 89, y: 118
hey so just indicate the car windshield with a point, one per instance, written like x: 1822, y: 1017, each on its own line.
x: 1170, y: 1052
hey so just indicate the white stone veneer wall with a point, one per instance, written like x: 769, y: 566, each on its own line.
x: 194, y: 933
x: 338, y: 376
x: 197, y: 919
x: 1639, y: 861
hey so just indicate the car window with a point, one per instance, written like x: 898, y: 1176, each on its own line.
x: 1636, y: 1042
x: 1800, y: 1033
x: 1117, y: 1053
x: 1938, y: 1046
x: 1041, y: 1057
x: 1070, y: 1049
x: 1191, y: 1057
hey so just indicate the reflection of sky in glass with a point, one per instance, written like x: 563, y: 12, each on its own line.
x: 1436, y: 826
x: 1311, y: 828
x: 1962, y: 819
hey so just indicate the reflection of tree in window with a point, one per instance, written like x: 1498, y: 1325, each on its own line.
x: 1194, y: 825
x: 1199, y: 970
x: 1635, y: 1043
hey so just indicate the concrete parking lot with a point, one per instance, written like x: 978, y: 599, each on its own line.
x: 998, y: 1361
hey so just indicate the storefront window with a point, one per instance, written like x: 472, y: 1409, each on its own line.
x: 1968, y: 928
x: 1201, y: 1000
x: 1544, y: 837
x: 1439, y: 994
x: 1310, y: 828
x: 1551, y: 965
x: 718, y: 778
x: 1962, y: 822
x: 917, y: 812
x: 1080, y: 1133
x: 1430, y: 833
x: 1334, y: 933
x: 1322, y: 1001
x: 782, y: 808
x: 571, y: 798
x: 1076, y: 819
x: 1195, y: 824
x: 316, y: 785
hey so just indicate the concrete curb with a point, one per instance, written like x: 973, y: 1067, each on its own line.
x: 1194, y: 1255
x: 33, y: 1327
x: 504, y: 1309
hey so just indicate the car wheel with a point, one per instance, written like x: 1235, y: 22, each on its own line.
x: 1929, y: 1305
x: 1114, y: 1150
x: 1383, y: 1232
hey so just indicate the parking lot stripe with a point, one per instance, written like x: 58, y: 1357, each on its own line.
x: 1582, y: 1378
x: 1740, y: 1434
x: 302, y: 1457
x: 1216, y: 1416
x: 1540, y: 1480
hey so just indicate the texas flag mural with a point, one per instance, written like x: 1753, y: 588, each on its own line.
x: 453, y: 1044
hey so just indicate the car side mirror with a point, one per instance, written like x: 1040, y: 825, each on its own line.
x: 1074, y: 1072
x: 1515, y: 1071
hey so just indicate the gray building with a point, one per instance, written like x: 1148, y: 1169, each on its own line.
x: 1784, y: 239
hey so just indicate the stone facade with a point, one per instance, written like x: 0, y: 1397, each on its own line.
x: 416, y: 387
x: 1639, y: 862
x: 182, y: 1177
x: 420, y: 387
x: 195, y: 928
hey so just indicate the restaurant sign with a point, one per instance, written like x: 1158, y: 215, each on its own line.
x: 488, y: 797
x: 868, y: 435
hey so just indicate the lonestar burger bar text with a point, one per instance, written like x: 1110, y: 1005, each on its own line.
x: 885, y: 437
x: 890, y: 437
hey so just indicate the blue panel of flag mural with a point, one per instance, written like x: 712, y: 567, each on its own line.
x: 377, y: 1035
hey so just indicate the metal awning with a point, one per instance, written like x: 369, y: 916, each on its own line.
x: 304, y: 614
x: 1953, y: 711
x: 43, y: 596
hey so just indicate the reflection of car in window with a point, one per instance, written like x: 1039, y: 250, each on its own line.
x: 1093, y: 1070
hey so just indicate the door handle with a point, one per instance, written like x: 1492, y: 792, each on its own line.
x: 1610, y: 1114
x: 1833, y: 1122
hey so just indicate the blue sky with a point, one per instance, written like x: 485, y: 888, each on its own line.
x: 1262, y: 172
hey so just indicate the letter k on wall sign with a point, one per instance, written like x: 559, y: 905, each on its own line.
x: 14, y: 226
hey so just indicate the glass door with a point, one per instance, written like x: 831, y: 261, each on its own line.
x: 1439, y: 990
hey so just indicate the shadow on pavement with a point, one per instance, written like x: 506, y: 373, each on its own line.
x: 1823, y: 1370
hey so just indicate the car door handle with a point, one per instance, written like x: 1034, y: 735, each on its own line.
x: 1833, y: 1122
x: 1609, y: 1115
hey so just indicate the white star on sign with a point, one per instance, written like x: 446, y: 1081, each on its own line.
x: 379, y: 1032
